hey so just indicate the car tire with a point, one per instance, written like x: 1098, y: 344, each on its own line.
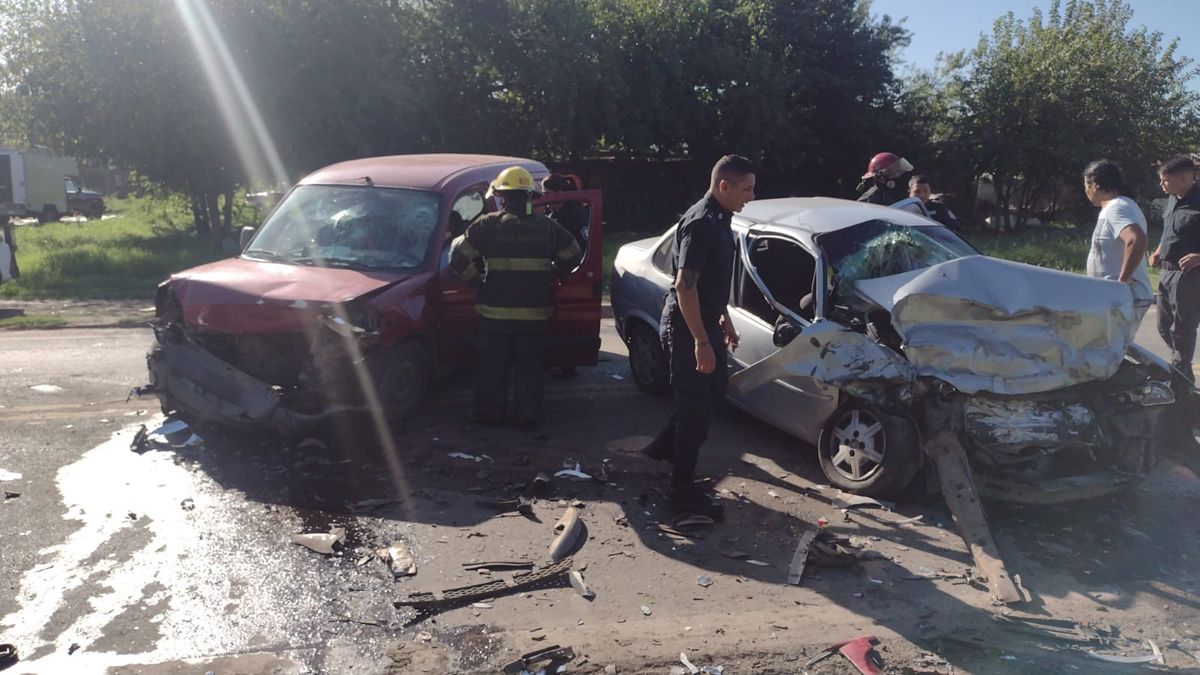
x: 402, y: 378
x: 48, y: 215
x: 647, y: 361
x: 865, y: 451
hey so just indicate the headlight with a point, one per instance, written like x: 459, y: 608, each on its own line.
x: 1149, y: 394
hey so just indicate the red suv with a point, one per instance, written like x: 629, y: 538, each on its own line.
x: 342, y: 301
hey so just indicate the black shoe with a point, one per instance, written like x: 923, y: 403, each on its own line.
x: 694, y: 502
x: 658, y: 452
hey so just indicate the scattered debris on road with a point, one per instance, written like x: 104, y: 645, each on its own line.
x: 646, y: 611
x: 11, y: 495
x: 574, y: 474
x: 473, y: 458
x: 399, y: 558
x: 140, y: 444
x: 427, y: 601
x: 581, y: 586
x: 800, y: 557
x: 47, y: 388
x: 542, y: 661
x: 6, y: 475
x: 860, y: 651
x: 8, y: 656
x: 498, y: 565
x: 188, y: 504
x: 566, y: 534
x: 321, y: 542
x: 704, y: 580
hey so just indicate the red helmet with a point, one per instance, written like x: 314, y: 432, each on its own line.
x: 889, y: 164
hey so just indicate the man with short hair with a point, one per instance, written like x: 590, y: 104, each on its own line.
x: 521, y: 253
x: 1118, y: 250
x: 919, y: 187
x: 696, y: 329
x: 1178, y: 255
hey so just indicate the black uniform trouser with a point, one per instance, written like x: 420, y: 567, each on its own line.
x: 1179, y: 315
x: 697, y: 395
x: 510, y: 350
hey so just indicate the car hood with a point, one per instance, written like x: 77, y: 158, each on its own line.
x: 984, y: 324
x: 239, y: 295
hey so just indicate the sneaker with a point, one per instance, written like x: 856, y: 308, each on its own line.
x: 694, y: 502
x: 657, y: 452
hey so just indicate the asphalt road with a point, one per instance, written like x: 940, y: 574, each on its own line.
x: 179, y: 559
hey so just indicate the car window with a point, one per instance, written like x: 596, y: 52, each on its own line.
x: 879, y: 248
x: 359, y: 227
x: 71, y: 186
x: 787, y: 271
x: 662, y: 255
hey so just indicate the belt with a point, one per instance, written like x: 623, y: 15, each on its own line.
x: 1168, y: 266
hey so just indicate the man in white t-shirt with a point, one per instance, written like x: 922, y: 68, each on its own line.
x: 1118, y: 249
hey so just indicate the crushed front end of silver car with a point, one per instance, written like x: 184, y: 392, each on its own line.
x: 1022, y: 382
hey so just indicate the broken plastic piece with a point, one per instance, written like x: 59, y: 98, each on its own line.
x: 688, y: 664
x: 845, y: 500
x: 646, y: 610
x: 580, y: 585
x: 473, y: 458
x: 574, y: 474
x: 800, y: 557
x: 499, y: 565
x: 8, y: 656
x: 400, y: 559
x: 567, y: 532
x: 139, y: 444
x: 694, y: 520
x: 428, y: 601
x: 759, y: 563
x: 321, y: 542
x: 554, y: 654
x: 1114, y: 658
x: 704, y: 580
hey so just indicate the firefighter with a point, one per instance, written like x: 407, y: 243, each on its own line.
x: 513, y: 257
x: 882, y: 181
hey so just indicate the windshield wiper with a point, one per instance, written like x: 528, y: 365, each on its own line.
x: 266, y: 255
x: 317, y: 261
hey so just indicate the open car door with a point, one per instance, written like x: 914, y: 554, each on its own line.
x: 575, y: 328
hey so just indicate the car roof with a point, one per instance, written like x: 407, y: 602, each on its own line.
x: 424, y: 172
x: 818, y: 215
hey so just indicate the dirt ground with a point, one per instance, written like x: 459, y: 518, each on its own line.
x: 104, y: 551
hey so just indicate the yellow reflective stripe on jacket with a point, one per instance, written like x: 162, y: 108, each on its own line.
x: 515, y: 313
x: 519, y: 264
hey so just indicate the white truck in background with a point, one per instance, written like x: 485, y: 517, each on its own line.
x: 33, y: 184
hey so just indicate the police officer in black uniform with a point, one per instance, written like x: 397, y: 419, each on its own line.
x: 696, y: 329
x: 1178, y: 255
x: 520, y: 254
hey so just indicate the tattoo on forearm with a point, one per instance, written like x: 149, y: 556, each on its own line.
x: 689, y: 278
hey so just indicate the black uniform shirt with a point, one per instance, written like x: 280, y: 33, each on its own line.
x: 1181, y: 227
x: 704, y: 244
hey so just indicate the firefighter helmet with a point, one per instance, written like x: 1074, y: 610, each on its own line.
x: 514, y: 178
x: 888, y: 164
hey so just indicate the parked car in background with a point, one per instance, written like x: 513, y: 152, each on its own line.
x: 84, y: 202
x: 343, y: 301
x: 857, y: 321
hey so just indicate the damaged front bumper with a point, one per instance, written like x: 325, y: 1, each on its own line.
x: 190, y: 379
x: 1056, y: 490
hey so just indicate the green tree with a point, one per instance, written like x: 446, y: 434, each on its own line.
x: 1041, y: 98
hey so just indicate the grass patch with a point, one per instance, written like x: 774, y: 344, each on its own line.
x: 31, y: 322
x: 1057, y: 246
x: 116, y: 258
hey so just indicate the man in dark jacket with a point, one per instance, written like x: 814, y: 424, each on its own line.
x: 521, y: 254
x: 1178, y: 256
x: 919, y: 187
x: 696, y: 328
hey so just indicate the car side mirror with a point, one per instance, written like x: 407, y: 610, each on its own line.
x: 245, y: 236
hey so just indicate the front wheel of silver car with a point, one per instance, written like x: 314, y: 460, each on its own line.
x: 868, y: 452
x: 647, y: 361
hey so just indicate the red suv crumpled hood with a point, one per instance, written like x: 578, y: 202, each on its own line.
x: 248, y: 296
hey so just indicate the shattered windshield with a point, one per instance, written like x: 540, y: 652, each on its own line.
x: 356, y: 227
x: 878, y: 248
